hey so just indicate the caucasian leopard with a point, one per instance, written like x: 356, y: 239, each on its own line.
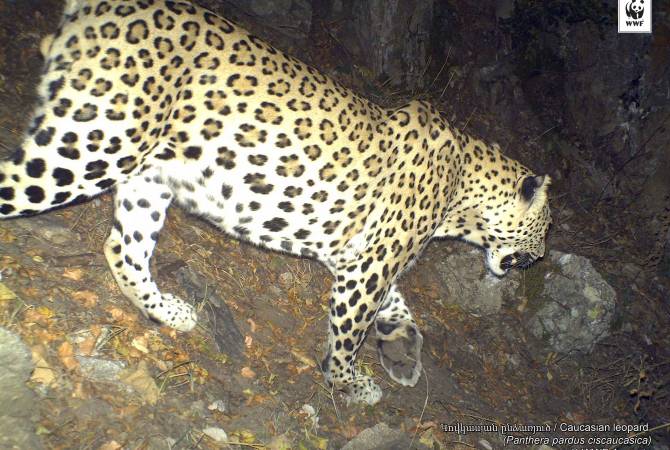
x: 166, y: 102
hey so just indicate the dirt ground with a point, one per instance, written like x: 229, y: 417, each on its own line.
x: 108, y: 378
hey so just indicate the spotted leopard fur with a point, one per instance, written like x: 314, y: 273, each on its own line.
x: 167, y: 102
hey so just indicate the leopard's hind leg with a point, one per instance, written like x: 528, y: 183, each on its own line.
x: 141, y: 204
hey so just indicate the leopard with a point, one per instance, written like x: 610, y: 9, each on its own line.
x: 166, y: 102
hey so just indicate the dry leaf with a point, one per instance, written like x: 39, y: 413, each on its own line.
x: 45, y: 311
x: 244, y: 436
x: 428, y: 438
x: 167, y: 331
x: 111, y: 445
x: 73, y: 274
x: 141, y: 380
x: 425, y: 425
x: 116, y: 313
x: 6, y: 294
x: 140, y: 343
x: 96, y: 330
x: 87, y: 298
x: 66, y: 356
x: 39, y: 315
x: 246, y: 372
x: 43, y: 372
x: 87, y: 346
x: 306, y: 360
x: 6, y: 237
x: 248, y: 341
x: 216, y: 434
x: 44, y: 335
x: 252, y: 325
x: 281, y: 442
x: 32, y: 291
x: 257, y: 399
x: 317, y: 442
x: 121, y: 316
x: 156, y: 344
x: 302, y: 369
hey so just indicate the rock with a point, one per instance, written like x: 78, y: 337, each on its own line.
x: 100, y: 370
x: 266, y: 8
x: 381, y: 437
x: 218, y: 405
x: 17, y: 429
x: 216, y: 434
x: 292, y: 18
x: 142, y: 382
x: 51, y: 229
x: 470, y: 285
x: 577, y: 305
x: 219, y: 318
x: 393, y: 37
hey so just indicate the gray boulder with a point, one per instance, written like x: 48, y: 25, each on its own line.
x: 577, y: 305
x: 17, y: 410
x: 468, y: 284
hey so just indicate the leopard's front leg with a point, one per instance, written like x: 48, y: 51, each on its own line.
x: 357, y: 293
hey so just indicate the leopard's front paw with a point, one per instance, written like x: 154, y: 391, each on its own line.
x: 363, y: 390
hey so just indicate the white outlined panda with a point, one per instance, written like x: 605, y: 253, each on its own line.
x: 635, y: 9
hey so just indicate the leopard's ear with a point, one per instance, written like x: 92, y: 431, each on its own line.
x: 534, y: 190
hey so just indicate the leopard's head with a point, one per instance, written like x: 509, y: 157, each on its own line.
x: 517, y: 230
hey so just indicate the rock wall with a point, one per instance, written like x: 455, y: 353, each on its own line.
x: 388, y: 39
x: 397, y: 34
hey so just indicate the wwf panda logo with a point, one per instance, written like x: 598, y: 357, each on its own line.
x: 635, y: 9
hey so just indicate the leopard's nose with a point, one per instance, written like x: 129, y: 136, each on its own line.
x: 508, y: 261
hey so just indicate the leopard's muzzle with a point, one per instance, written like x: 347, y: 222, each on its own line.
x: 517, y: 260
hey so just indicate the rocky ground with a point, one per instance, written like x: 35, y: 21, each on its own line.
x: 81, y: 368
